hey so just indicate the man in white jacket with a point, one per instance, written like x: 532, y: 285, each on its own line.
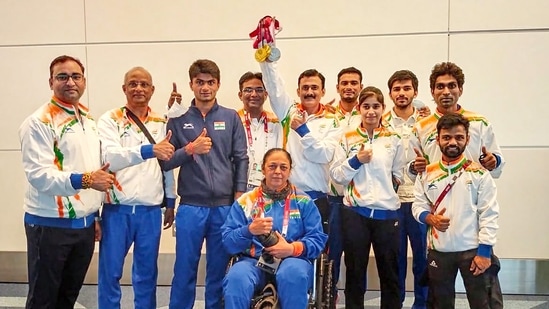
x: 131, y: 212
x: 456, y: 198
x: 310, y: 132
x: 61, y: 158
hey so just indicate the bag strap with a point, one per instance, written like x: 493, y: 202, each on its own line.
x: 140, y: 125
x: 149, y: 137
x: 448, y: 187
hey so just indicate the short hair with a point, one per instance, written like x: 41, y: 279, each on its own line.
x: 249, y: 76
x: 312, y: 73
x: 63, y: 59
x: 446, y: 68
x: 204, y: 66
x: 274, y: 150
x: 349, y: 70
x: 451, y: 120
x: 371, y: 91
x: 142, y: 69
x: 403, y: 75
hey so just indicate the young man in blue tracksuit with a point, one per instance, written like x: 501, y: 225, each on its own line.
x: 210, y: 145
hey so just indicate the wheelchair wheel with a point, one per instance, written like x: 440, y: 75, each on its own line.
x: 328, y: 299
x: 324, y: 298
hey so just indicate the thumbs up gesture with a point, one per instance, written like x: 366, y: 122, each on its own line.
x: 174, y: 96
x: 203, y: 143
x: 420, y: 162
x: 438, y: 220
x: 487, y: 159
x: 364, y: 155
x: 298, y: 119
x: 164, y: 150
x: 102, y: 180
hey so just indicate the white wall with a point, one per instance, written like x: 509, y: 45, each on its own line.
x: 501, y: 46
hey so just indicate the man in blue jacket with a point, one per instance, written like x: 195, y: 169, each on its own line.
x: 211, y: 151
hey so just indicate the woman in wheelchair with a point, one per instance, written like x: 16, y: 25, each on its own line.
x: 276, y: 230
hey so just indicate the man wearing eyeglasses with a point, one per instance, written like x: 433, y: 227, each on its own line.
x: 132, y: 209
x: 263, y: 131
x: 60, y: 149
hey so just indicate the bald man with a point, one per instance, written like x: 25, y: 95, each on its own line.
x: 132, y: 208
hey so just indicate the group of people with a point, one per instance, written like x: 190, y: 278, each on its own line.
x: 314, y: 177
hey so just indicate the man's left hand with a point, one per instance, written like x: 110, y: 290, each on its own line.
x: 98, y: 231
x: 488, y: 159
x: 169, y: 216
x: 480, y: 264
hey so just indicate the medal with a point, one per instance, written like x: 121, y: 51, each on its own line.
x: 261, y: 54
x: 264, y: 39
x: 274, y: 55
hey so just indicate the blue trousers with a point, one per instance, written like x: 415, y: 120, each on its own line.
x: 193, y: 225
x: 123, y: 226
x: 294, y: 278
x: 416, y: 232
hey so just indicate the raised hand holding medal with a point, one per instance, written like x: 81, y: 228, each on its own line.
x: 264, y: 41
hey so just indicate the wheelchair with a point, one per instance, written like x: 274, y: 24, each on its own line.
x: 321, y: 295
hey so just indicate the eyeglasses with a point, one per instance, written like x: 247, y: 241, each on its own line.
x: 273, y: 167
x: 63, y: 77
x: 133, y: 85
x: 249, y: 90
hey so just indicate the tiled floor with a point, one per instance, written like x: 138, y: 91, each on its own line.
x: 13, y: 296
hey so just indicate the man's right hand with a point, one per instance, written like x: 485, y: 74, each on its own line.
x: 201, y: 145
x: 164, y: 150
x: 102, y: 180
x: 261, y: 226
x: 438, y: 221
x: 174, y: 96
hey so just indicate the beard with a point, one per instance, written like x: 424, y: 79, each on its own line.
x: 452, y: 152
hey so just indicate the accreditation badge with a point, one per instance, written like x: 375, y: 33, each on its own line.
x: 255, y: 176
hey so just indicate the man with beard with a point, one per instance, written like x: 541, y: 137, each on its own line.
x: 456, y: 198
x: 349, y: 84
x: 403, y: 86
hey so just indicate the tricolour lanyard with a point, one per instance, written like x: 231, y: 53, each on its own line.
x: 248, y: 122
x: 286, y: 220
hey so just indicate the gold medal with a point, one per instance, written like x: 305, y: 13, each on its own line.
x: 262, y: 53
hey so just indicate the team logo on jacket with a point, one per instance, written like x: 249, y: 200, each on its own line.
x: 431, y: 186
x: 188, y: 126
x: 219, y: 125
